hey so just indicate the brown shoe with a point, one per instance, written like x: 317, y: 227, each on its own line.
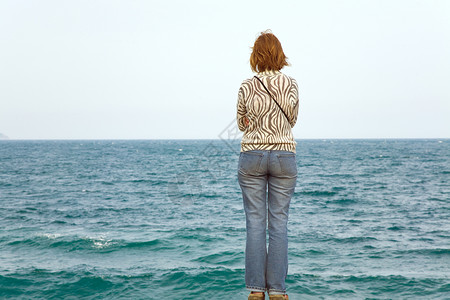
x: 260, y: 296
x: 279, y: 297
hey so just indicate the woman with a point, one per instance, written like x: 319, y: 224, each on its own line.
x: 267, y: 110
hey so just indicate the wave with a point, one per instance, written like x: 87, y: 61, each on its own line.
x: 44, y: 284
x: 353, y: 239
x: 222, y: 258
x: 368, y: 286
x: 318, y: 193
x: 181, y: 283
x: 336, y: 175
x: 206, y: 283
x: 434, y: 252
x: 396, y: 228
x: 343, y: 201
x: 86, y: 243
x: 307, y: 253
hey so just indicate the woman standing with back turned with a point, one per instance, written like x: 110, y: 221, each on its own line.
x: 267, y: 110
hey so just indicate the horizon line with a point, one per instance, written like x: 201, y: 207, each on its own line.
x: 209, y: 139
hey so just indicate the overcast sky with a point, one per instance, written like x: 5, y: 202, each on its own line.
x: 172, y: 69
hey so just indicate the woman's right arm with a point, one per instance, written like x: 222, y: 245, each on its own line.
x: 293, y: 103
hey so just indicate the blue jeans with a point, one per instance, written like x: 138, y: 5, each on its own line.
x: 271, y: 175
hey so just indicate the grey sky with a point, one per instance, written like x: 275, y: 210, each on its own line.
x: 172, y: 69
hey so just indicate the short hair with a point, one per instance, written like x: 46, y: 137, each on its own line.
x: 267, y: 53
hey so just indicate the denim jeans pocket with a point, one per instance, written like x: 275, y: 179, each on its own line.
x: 288, y: 163
x: 249, y: 162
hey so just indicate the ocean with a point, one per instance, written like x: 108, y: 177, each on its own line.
x: 163, y: 219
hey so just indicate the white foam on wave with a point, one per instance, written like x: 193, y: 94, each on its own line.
x: 51, y: 236
x: 100, y: 242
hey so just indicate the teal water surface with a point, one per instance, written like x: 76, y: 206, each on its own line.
x: 370, y: 219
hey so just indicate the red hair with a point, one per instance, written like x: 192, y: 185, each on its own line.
x: 267, y: 54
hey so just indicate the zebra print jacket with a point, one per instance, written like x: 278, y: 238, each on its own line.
x: 268, y: 128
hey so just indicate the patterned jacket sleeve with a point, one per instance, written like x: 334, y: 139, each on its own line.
x: 241, y: 110
x: 293, y: 103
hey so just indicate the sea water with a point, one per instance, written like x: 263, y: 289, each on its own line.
x: 163, y: 219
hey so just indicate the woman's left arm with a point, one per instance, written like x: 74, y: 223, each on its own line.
x: 241, y: 118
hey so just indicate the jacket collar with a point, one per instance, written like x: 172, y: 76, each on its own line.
x: 269, y: 73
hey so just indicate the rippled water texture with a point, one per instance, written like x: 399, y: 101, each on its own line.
x: 164, y: 219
